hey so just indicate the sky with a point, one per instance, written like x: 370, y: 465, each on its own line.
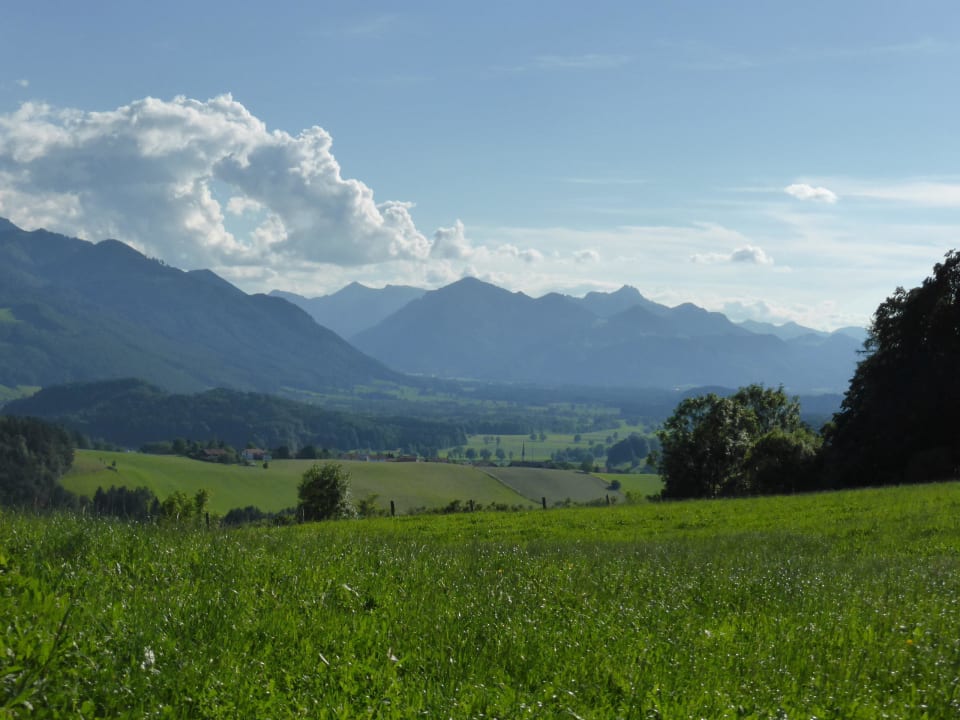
x: 771, y: 160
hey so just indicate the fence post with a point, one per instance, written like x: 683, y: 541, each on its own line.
x: 393, y: 509
x: 543, y: 501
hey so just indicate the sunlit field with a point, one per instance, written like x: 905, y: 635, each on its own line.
x: 841, y: 605
x: 409, y: 485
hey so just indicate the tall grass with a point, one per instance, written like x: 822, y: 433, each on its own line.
x: 842, y: 605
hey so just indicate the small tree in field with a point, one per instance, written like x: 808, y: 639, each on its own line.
x: 323, y: 492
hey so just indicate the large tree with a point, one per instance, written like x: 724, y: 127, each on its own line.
x: 323, y: 492
x: 752, y: 442
x: 900, y: 419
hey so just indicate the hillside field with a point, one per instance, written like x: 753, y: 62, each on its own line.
x: 409, y: 485
x: 552, y: 442
x: 836, y: 605
x: 554, y: 485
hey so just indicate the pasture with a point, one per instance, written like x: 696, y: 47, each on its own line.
x: 410, y: 485
x: 536, y: 449
x: 554, y: 485
x: 840, y: 605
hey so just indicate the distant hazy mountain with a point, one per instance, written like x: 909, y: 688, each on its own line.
x: 787, y: 331
x: 477, y: 330
x: 606, y: 304
x: 793, y: 331
x: 355, y: 307
x: 71, y: 310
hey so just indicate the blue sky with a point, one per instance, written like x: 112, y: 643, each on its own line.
x: 768, y: 159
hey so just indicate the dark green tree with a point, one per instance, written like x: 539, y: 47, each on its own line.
x: 629, y: 451
x: 745, y: 444
x: 33, y: 457
x: 783, y: 461
x: 323, y: 492
x: 900, y: 418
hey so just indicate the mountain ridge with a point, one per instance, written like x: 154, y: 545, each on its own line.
x: 86, y: 311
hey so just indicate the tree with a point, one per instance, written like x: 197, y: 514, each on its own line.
x: 714, y: 446
x: 323, y: 492
x: 783, y: 462
x: 900, y: 418
x: 629, y: 451
x: 33, y: 457
x: 200, y: 500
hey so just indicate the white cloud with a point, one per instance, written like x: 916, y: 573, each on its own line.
x: 802, y: 191
x: 145, y: 173
x: 529, y: 255
x: 586, y: 256
x: 919, y: 192
x: 751, y: 254
x: 23, y: 82
x: 238, y: 205
x: 451, y: 243
x: 748, y: 254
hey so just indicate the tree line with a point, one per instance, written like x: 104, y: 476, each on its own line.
x: 899, y: 421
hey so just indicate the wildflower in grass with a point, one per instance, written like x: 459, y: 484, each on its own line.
x: 149, y: 660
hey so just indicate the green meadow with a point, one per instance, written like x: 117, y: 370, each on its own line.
x: 542, y: 449
x: 640, y: 485
x: 839, y: 605
x: 409, y: 485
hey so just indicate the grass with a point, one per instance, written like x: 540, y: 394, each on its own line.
x: 409, y: 485
x: 839, y: 605
x: 640, y: 485
x: 543, y: 449
x: 554, y: 485
x: 18, y: 391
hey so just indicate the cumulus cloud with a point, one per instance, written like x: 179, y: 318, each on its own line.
x: 748, y: 254
x: 586, y: 256
x: 147, y: 172
x: 802, y: 191
x: 751, y: 254
x: 529, y: 255
x: 451, y: 243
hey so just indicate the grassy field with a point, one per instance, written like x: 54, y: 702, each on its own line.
x: 554, y: 485
x: 18, y: 391
x: 641, y: 485
x: 839, y: 605
x: 543, y: 449
x: 409, y: 485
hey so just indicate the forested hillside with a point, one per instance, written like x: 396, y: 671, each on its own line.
x: 131, y: 413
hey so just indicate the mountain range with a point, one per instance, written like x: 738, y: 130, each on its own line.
x: 472, y: 329
x: 355, y: 307
x: 71, y: 310
x: 477, y: 330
